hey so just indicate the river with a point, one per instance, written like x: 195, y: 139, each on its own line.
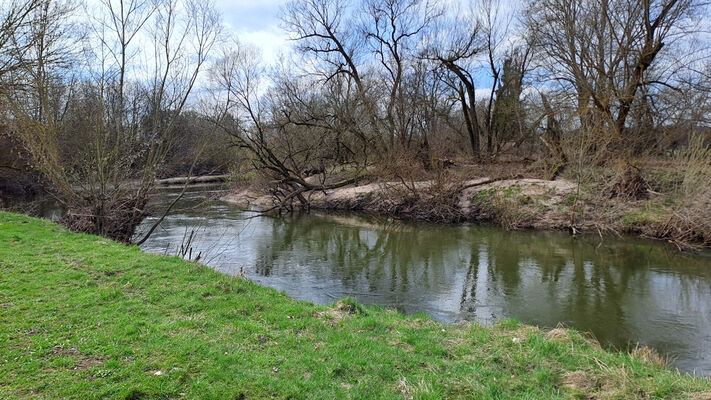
x: 623, y: 290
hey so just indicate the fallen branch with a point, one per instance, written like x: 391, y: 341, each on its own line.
x: 486, y: 182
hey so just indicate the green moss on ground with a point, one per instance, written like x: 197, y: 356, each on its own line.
x: 83, y: 317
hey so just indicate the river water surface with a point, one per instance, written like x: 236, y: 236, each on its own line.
x: 623, y: 290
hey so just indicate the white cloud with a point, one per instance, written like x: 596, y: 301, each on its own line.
x: 271, y: 43
x: 256, y: 23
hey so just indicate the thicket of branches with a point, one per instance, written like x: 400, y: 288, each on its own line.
x: 95, y: 96
x: 371, y: 86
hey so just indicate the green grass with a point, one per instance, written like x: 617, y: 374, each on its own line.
x: 82, y: 317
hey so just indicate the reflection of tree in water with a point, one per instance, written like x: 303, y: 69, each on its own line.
x: 485, y: 274
x: 366, y: 255
x: 604, y: 289
x: 361, y: 247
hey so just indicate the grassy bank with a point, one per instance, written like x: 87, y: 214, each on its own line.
x: 82, y: 317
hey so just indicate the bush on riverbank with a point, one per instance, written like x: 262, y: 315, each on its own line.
x: 83, y: 317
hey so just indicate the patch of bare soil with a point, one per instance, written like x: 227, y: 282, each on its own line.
x: 248, y: 197
x: 83, y: 361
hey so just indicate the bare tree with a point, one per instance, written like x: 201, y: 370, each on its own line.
x: 253, y: 120
x: 371, y: 48
x: 608, y: 53
x: 507, y: 53
x: 392, y: 29
x: 15, y: 41
x: 126, y: 112
x: 15, y: 38
x: 454, y: 44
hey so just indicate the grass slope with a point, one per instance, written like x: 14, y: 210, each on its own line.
x: 81, y: 317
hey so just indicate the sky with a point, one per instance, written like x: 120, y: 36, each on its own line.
x: 256, y: 22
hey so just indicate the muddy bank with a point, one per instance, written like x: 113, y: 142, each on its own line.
x: 513, y: 203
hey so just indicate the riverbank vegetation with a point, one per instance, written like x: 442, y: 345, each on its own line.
x: 84, y: 317
x: 614, y: 96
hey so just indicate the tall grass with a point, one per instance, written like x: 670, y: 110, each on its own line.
x: 689, y: 225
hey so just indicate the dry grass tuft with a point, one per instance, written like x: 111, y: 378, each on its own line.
x: 579, y: 381
x: 559, y: 334
x: 343, y: 309
x: 404, y: 388
x: 689, y: 224
x: 649, y: 356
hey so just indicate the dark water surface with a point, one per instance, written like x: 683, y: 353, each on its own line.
x: 623, y: 290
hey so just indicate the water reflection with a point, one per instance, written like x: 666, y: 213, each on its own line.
x: 622, y: 290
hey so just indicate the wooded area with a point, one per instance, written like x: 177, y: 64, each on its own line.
x: 100, y: 100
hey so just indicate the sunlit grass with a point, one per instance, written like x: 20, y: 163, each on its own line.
x: 83, y: 317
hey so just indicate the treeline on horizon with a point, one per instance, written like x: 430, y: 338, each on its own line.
x: 100, y: 99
